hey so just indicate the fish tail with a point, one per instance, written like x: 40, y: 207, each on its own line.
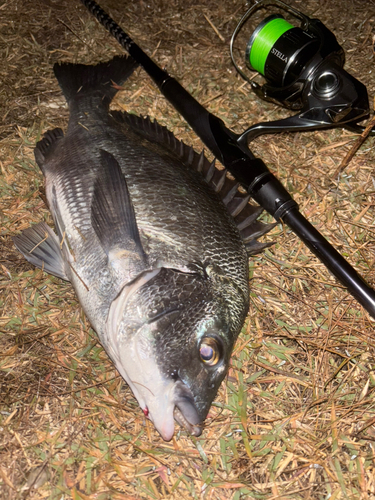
x: 102, y: 79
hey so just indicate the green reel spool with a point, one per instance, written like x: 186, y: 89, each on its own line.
x: 279, y: 51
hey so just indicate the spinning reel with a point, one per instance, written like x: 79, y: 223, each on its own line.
x: 303, y: 69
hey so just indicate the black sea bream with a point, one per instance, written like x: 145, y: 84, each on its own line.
x: 153, y: 253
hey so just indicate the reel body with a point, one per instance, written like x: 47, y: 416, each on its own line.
x: 303, y: 69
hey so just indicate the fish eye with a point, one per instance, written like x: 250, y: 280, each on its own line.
x: 210, y: 351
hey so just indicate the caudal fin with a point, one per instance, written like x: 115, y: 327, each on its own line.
x: 79, y: 79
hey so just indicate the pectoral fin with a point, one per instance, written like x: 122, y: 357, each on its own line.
x: 40, y: 246
x: 112, y: 211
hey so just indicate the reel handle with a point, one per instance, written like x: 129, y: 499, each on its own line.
x: 331, y: 97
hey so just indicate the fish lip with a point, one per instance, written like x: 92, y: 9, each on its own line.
x: 194, y: 430
x: 185, y: 412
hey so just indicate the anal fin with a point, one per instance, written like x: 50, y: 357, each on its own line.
x: 46, y: 146
x: 40, y: 246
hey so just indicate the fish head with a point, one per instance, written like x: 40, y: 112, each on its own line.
x: 171, y: 335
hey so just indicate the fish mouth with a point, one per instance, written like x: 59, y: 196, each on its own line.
x: 194, y: 430
x: 178, y: 406
x: 185, y: 412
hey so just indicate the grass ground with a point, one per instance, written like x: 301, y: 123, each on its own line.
x: 295, y: 418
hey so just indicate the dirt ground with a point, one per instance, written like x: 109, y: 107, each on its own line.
x: 295, y: 418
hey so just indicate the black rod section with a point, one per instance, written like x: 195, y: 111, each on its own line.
x: 334, y: 261
x: 251, y: 172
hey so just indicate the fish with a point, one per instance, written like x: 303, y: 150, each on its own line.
x: 155, y: 240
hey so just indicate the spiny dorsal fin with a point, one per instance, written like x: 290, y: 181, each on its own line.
x: 248, y: 216
x: 237, y: 203
x: 40, y: 246
x: 256, y: 230
x: 254, y: 246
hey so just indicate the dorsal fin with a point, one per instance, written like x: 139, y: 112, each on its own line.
x: 243, y: 212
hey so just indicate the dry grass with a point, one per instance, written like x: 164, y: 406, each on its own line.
x: 296, y: 417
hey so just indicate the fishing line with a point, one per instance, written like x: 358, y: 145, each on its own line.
x: 263, y: 40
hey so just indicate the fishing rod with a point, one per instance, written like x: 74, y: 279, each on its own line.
x: 237, y: 158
